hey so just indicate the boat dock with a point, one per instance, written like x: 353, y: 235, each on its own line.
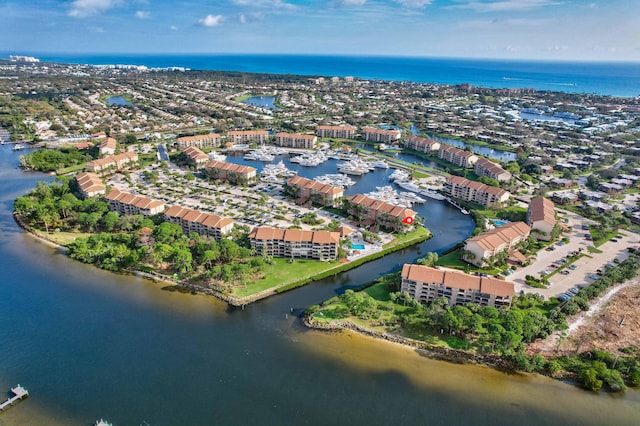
x: 19, y: 393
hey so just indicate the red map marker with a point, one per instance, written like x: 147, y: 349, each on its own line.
x: 408, y: 220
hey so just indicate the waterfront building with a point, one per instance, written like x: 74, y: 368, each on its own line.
x: 480, y: 249
x: 195, y: 156
x: 296, y: 140
x: 426, y: 284
x: 541, y: 217
x: 113, y: 163
x: 295, y: 243
x: 380, y: 135
x: 419, y: 144
x: 247, y: 136
x: 230, y: 172
x: 376, y: 212
x: 345, y: 132
x: 196, y: 221
x: 210, y: 140
x: 475, y: 192
x: 90, y: 184
x: 457, y: 156
x: 108, y: 146
x: 487, y: 168
x: 320, y: 193
x: 127, y: 203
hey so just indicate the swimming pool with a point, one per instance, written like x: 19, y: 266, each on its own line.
x: 357, y: 246
x: 500, y: 222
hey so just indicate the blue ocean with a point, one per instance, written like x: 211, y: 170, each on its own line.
x: 615, y: 79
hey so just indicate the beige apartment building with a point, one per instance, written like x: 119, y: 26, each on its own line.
x: 426, y: 284
x: 380, y: 135
x: 210, y: 140
x: 457, y: 156
x: 90, y: 184
x: 487, y: 168
x: 344, y: 132
x: 475, y: 192
x: 320, y: 193
x: 195, y: 156
x: 233, y: 173
x: 419, y: 144
x: 479, y: 249
x: 247, y: 136
x: 112, y: 163
x: 196, y: 221
x: 376, y: 212
x: 295, y: 243
x: 541, y: 217
x: 126, y: 203
x: 296, y: 140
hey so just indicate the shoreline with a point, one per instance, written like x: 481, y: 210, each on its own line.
x: 231, y: 300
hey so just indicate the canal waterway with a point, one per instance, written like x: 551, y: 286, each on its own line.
x: 90, y: 344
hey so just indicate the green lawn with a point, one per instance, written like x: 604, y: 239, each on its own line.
x: 600, y: 237
x: 420, y: 232
x: 452, y: 260
x: 64, y: 238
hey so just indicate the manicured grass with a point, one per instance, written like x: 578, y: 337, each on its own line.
x: 600, y: 237
x: 452, y: 260
x: 64, y: 238
x: 70, y: 169
x: 420, y: 232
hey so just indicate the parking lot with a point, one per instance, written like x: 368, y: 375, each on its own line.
x: 584, y: 270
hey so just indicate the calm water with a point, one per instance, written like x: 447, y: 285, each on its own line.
x: 118, y: 100
x: 262, y: 101
x: 616, y: 79
x: 90, y: 344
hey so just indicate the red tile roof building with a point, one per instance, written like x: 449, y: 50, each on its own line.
x: 230, y: 172
x: 345, y: 132
x: 379, y: 135
x: 378, y: 212
x: 421, y: 144
x: 247, y: 136
x: 210, y: 140
x: 296, y: 140
x: 482, y: 247
x: 487, y: 168
x: 475, y: 192
x: 126, y: 203
x: 90, y: 184
x: 320, y: 193
x: 457, y: 156
x: 541, y: 217
x: 426, y: 284
x: 196, y: 221
x: 108, y: 146
x: 295, y: 243
x: 113, y: 163
x: 195, y: 156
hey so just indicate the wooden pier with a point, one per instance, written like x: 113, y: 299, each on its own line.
x: 19, y: 393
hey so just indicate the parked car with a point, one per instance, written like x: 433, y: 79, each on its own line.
x: 564, y: 272
x: 573, y: 267
x: 573, y: 291
x: 563, y: 297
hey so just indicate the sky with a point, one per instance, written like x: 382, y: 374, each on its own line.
x: 602, y: 30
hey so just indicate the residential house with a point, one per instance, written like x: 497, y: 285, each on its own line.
x: 230, y: 172
x: 196, y: 221
x: 475, y: 192
x: 426, y: 284
x: 320, y: 193
x: 541, y: 217
x: 479, y: 249
x: 127, y: 203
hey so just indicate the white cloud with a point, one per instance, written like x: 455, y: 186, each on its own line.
x: 246, y: 18
x: 97, y: 29
x: 265, y: 4
x: 210, y: 20
x: 504, y: 5
x: 141, y: 14
x: 351, y: 2
x: 84, y: 8
x: 173, y: 28
x: 414, y: 3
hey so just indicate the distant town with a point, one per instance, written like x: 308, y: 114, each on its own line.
x: 191, y: 176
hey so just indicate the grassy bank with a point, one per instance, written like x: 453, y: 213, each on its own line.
x: 283, y: 276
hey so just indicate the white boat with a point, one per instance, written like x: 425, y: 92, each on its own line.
x: 399, y: 176
x: 409, y: 186
x: 18, y: 147
x: 432, y: 194
x: 412, y: 197
x: 216, y: 156
x: 336, y: 179
x: 380, y: 164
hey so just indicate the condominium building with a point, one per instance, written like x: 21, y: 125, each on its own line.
x: 295, y: 243
x: 210, y: 140
x: 296, y: 140
x: 426, y: 284
x: 108, y: 146
x: 380, y: 135
x: 475, y: 192
x: 230, y: 172
x: 196, y: 221
x: 247, y: 136
x: 195, y: 156
x: 345, y: 132
x: 306, y: 189
x: 487, y: 168
x: 419, y: 144
x: 113, y: 163
x: 90, y: 184
x: 386, y: 215
x: 457, y: 156
x: 479, y: 249
x: 541, y: 217
x: 126, y: 203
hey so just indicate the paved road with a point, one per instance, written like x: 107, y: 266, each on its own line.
x: 560, y: 283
